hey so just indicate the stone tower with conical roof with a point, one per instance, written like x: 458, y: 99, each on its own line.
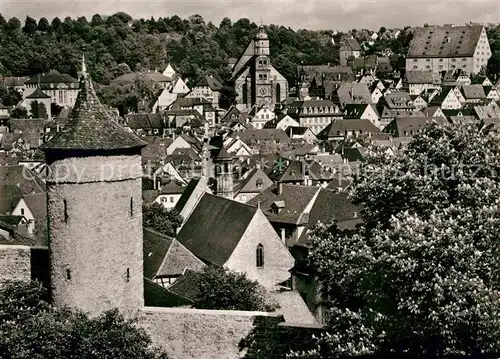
x: 224, y: 174
x: 95, y: 210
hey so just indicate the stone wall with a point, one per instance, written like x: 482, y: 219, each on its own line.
x: 195, y: 333
x: 15, y: 263
x: 95, y: 233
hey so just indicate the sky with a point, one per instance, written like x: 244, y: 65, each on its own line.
x: 297, y: 14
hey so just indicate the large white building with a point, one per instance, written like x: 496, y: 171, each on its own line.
x: 443, y: 48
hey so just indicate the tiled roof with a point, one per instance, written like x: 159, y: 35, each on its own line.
x: 9, y: 197
x: 473, y: 92
x: 215, y: 227
x: 211, y: 82
x: 223, y: 154
x: 423, y: 77
x: 339, y: 127
x: 444, y: 41
x: 38, y: 93
x: 150, y: 75
x: 144, y: 121
x: 155, y: 248
x: 187, y: 286
x: 249, y: 183
x: 37, y: 203
x: 149, y: 196
x: 156, y: 295
x: 398, y: 100
x: 352, y: 44
x: 354, y: 110
x: 329, y: 206
x: 22, y: 177
x: 90, y: 126
x: 266, y: 134
x: 28, y: 125
x: 53, y: 76
x: 186, y: 194
x: 295, y: 197
x: 352, y: 93
x: 408, y: 126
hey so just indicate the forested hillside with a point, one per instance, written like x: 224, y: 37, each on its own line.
x: 118, y: 44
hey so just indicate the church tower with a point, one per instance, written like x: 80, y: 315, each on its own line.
x: 224, y: 174
x: 95, y: 210
x: 263, y: 81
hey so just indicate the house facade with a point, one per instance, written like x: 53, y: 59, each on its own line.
x: 61, y: 88
x: 315, y: 114
x: 442, y: 48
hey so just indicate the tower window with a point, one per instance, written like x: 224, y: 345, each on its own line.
x: 68, y: 274
x: 131, y: 207
x: 22, y: 211
x: 65, y: 203
x: 128, y: 274
x: 260, y: 256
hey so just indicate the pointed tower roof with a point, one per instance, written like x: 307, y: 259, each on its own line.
x: 223, y: 154
x: 90, y: 127
x: 38, y: 93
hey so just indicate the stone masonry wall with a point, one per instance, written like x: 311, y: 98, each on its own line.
x: 95, y: 234
x: 194, y: 333
x: 15, y: 263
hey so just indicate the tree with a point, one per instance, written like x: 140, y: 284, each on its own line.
x: 30, y: 26
x: 9, y: 96
x: 13, y: 25
x: 43, y: 25
x: 19, y: 112
x: 222, y: 289
x: 421, y: 273
x: 31, y: 328
x: 160, y: 219
x: 38, y: 110
x: 97, y: 20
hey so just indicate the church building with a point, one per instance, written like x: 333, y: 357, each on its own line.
x: 256, y: 81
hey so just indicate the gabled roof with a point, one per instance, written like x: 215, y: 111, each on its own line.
x: 22, y: 177
x: 210, y: 81
x: 295, y: 197
x: 329, y: 206
x: 215, y: 227
x: 351, y: 44
x: 187, y: 286
x: 444, y: 41
x: 37, y: 94
x: 164, y: 256
x: 354, y: 110
x: 90, y: 126
x: 172, y: 187
x: 249, y: 183
x: 37, y: 203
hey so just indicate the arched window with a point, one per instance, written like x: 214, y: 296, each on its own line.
x: 245, y: 93
x: 278, y: 93
x: 260, y: 256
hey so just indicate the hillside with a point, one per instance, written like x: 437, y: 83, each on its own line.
x: 191, y: 45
